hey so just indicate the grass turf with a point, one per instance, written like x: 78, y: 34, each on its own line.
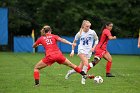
x: 16, y: 75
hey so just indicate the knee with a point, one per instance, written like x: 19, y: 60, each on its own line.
x: 86, y: 63
x: 110, y: 59
x: 36, y: 67
x: 97, y: 59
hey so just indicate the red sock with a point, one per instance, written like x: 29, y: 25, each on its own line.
x: 88, y: 68
x: 36, y: 75
x: 77, y: 69
x: 108, y: 67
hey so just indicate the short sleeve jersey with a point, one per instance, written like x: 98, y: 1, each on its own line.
x: 86, y: 39
x: 49, y: 42
x: 104, y: 39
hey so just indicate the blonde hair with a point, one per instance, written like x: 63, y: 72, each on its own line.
x: 81, y: 28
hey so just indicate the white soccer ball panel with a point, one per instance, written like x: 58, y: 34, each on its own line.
x: 98, y: 79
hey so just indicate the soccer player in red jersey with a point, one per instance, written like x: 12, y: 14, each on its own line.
x: 101, y: 48
x: 53, y: 53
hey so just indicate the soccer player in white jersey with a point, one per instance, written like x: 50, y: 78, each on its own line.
x: 85, y: 48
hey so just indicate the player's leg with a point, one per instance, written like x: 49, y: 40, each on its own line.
x: 72, y: 71
x: 85, y: 65
x: 108, y: 57
x: 84, y: 61
x: 37, y: 67
x: 77, y: 69
x: 98, y: 55
x: 71, y: 65
x: 62, y: 60
x: 95, y: 61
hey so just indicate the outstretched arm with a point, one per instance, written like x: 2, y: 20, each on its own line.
x: 96, y: 42
x: 112, y: 37
x: 139, y: 41
x: 73, y: 47
x: 65, y: 41
x: 34, y: 45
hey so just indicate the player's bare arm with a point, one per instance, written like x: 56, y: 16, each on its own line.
x: 112, y: 37
x: 139, y: 40
x: 73, y: 47
x: 67, y: 42
x: 96, y: 42
x: 34, y: 45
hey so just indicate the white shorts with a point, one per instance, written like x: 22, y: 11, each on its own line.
x: 87, y: 53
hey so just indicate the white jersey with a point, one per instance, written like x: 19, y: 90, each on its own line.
x: 86, y: 41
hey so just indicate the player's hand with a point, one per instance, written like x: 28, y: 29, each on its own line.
x: 74, y: 44
x: 39, y: 45
x: 114, y: 37
x: 92, y: 49
x: 72, y: 53
x: 138, y: 45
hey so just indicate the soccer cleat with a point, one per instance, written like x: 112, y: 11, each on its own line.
x: 109, y: 75
x: 90, y: 76
x: 84, y: 77
x: 68, y: 74
x: 83, y: 80
x: 36, y: 85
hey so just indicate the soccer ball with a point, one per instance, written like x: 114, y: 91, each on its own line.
x: 98, y: 79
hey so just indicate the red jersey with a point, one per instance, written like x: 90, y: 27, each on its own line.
x: 49, y: 42
x: 104, y: 39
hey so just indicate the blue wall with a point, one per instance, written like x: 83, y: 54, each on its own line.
x: 23, y: 44
x: 118, y: 46
x: 3, y: 26
x: 124, y: 46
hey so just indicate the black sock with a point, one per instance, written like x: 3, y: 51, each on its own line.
x: 82, y: 73
x: 36, y: 81
x: 94, y: 61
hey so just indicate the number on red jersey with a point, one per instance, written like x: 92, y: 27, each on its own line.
x: 48, y: 41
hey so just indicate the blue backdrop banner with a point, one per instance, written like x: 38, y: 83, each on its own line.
x: 23, y: 44
x: 3, y: 26
x: 118, y: 46
x: 123, y: 46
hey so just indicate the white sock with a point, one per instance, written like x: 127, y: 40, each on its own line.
x: 90, y: 64
x: 72, y: 71
x: 85, y: 69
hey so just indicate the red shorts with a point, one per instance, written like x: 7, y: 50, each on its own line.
x: 57, y: 57
x: 100, y: 52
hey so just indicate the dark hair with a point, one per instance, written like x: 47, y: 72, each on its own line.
x: 103, y: 27
x: 106, y: 24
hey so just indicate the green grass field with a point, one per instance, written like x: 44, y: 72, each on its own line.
x: 16, y: 75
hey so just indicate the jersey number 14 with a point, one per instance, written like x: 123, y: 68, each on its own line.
x: 85, y: 42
